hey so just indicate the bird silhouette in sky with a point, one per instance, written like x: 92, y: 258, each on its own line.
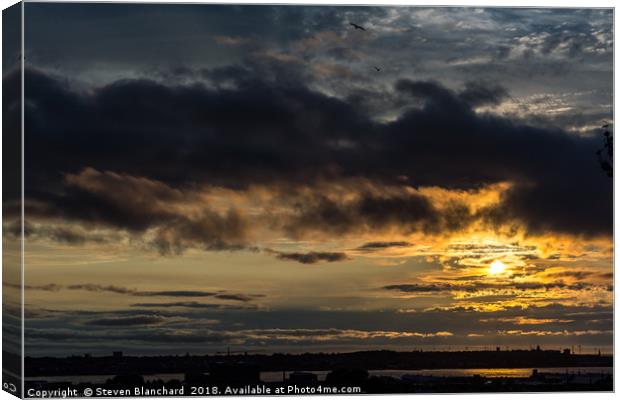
x: 356, y: 26
x: 378, y: 69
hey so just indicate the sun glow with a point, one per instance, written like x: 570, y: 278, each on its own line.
x: 497, y: 267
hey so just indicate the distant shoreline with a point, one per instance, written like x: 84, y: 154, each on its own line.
x: 369, y: 360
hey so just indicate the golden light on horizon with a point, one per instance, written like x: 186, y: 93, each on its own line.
x: 497, y: 267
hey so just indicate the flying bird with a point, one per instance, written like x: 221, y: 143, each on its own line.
x: 378, y: 69
x: 356, y: 26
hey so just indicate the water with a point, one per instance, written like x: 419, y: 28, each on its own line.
x: 486, y: 372
x: 276, y: 376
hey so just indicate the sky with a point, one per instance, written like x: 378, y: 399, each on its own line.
x: 271, y: 178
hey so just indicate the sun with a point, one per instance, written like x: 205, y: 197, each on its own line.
x: 497, y: 267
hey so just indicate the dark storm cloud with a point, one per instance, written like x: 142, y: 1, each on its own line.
x: 262, y: 131
x: 71, y: 236
x: 550, y: 168
x: 478, y: 93
x: 563, y: 51
x: 135, y: 205
x: 312, y: 257
x: 213, y: 136
x: 407, y: 212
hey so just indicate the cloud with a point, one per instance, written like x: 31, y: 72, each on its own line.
x: 232, y: 40
x: 151, y: 336
x: 554, y: 333
x: 191, y: 305
x: 127, y: 321
x: 69, y: 235
x: 312, y: 257
x: 296, y: 137
x: 93, y: 287
x: 237, y: 296
x: 51, y: 287
x: 419, y: 288
x: 255, y: 329
x: 287, y: 134
x: 403, y: 210
x: 179, y: 293
x: 196, y: 293
x: 483, y: 287
x: 477, y: 94
x: 521, y: 320
x: 335, y: 335
x: 378, y: 246
x: 579, y: 275
x: 137, y: 205
x: 238, y: 337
